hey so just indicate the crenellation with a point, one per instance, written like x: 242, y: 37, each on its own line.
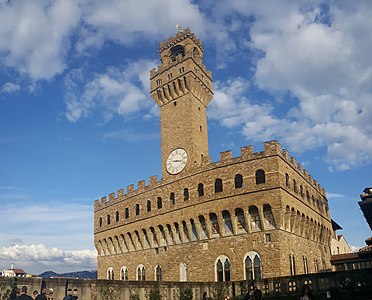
x: 141, y: 184
x: 226, y: 156
x: 206, y: 160
x: 112, y: 197
x: 272, y: 148
x: 293, y: 162
x: 130, y: 189
x: 286, y: 155
x: 300, y: 169
x: 121, y: 194
x: 246, y: 152
x: 103, y: 200
x: 153, y: 180
x: 97, y: 204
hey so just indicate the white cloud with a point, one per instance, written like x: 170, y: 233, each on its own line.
x: 124, y: 21
x: 321, y: 58
x: 122, y: 91
x: 355, y: 248
x: 38, y: 258
x: 334, y: 195
x: 10, y: 88
x: 35, y: 36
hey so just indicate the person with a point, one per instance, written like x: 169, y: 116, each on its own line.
x: 75, y: 294
x: 204, y: 296
x: 23, y: 295
x: 42, y: 296
x: 227, y: 296
x: 69, y: 295
x: 35, y: 294
x: 306, y: 293
x: 254, y: 294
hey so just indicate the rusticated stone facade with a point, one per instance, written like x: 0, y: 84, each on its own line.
x: 255, y: 216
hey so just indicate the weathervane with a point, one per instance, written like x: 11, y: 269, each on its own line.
x: 178, y: 27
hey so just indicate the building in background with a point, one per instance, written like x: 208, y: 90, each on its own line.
x: 249, y: 217
x: 13, y: 272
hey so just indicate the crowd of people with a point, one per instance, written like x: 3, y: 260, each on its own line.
x: 22, y: 294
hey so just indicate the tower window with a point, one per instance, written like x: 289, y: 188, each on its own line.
x: 100, y: 222
x: 175, y: 103
x: 172, y: 198
x: 260, y: 176
x: 200, y: 128
x: 126, y: 213
x: 218, y: 186
x: 148, y: 205
x: 117, y: 216
x: 200, y: 189
x: 160, y: 203
x: 238, y: 181
x: 185, y: 194
x: 108, y: 220
x: 137, y: 209
x: 177, y: 50
x: 170, y: 76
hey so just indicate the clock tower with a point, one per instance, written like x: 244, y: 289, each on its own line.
x: 182, y: 87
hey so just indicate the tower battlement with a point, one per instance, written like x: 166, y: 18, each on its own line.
x: 271, y: 148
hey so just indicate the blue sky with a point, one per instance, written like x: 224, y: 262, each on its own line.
x: 77, y: 121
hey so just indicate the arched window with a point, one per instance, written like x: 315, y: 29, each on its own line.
x: 183, y: 271
x: 172, y: 198
x: 160, y: 203
x: 117, y: 216
x: 241, y: 224
x: 268, y: 216
x: 100, y: 222
x: 141, y: 273
x: 286, y: 179
x: 148, y: 205
x: 252, y: 266
x: 223, y: 268
x: 292, y: 264
x: 214, y: 222
x: 200, y: 189
x: 218, y: 185
x: 126, y: 212
x: 185, y: 194
x: 306, y: 268
x: 124, y: 274
x: 260, y: 176
x: 158, y: 273
x: 108, y: 219
x: 203, y: 227
x: 295, y: 189
x: 137, y: 209
x: 238, y: 181
x: 255, y: 218
x: 308, y: 196
x: 110, y: 273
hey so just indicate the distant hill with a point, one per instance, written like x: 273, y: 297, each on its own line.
x: 77, y: 274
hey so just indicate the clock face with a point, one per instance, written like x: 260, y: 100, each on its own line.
x: 176, y: 161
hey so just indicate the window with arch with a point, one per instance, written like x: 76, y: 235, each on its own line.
x: 100, y: 222
x: 158, y: 273
x: 110, y: 273
x: 252, y: 266
x: 286, y: 179
x: 186, y: 194
x: 260, y: 176
x: 172, y: 198
x: 117, y: 216
x: 200, y: 189
x: 137, y: 209
x: 214, y: 222
x: 295, y: 189
x: 148, y: 205
x: 306, y: 268
x: 124, y: 273
x: 255, y: 218
x: 292, y: 264
x: 238, y: 181
x: 108, y: 220
x: 218, y: 185
x: 223, y: 268
x: 141, y: 273
x: 316, y: 265
x: 126, y: 212
x: 183, y: 271
x: 268, y: 216
x: 160, y: 203
x: 301, y: 191
x: 308, y: 196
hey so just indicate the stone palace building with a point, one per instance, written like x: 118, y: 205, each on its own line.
x: 250, y: 217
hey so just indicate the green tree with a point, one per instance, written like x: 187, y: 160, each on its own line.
x: 186, y: 294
